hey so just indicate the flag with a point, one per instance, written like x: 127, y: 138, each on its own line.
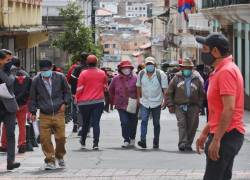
x: 185, y: 4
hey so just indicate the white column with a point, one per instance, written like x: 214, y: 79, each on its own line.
x: 247, y: 60
x: 239, y: 56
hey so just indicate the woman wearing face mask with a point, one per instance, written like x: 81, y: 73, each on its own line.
x: 184, y: 98
x: 122, y: 90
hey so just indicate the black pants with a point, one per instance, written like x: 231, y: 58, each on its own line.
x: 230, y: 146
x: 9, y: 120
x: 92, y: 112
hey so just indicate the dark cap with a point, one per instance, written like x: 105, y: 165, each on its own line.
x: 2, y: 54
x: 217, y: 40
x: 16, y: 61
x: 45, y: 65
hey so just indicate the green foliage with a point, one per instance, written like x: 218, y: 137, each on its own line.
x: 76, y: 38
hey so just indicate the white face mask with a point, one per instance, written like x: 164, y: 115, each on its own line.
x: 126, y: 71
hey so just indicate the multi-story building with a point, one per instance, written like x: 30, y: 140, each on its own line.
x: 136, y: 9
x: 21, y: 30
x: 233, y: 19
x: 110, y: 5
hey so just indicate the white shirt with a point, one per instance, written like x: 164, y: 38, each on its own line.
x: 151, y: 90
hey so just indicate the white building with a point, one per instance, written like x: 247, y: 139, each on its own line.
x: 111, y: 5
x: 51, y: 7
x: 136, y: 9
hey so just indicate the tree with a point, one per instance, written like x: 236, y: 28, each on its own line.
x: 76, y: 37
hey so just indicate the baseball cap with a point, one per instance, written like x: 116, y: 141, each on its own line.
x: 45, y: 65
x: 150, y: 60
x: 217, y: 40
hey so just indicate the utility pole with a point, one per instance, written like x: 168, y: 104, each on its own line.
x: 93, y: 6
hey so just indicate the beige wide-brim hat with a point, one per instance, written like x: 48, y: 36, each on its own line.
x: 187, y: 63
x: 150, y: 60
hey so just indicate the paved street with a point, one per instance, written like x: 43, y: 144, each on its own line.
x: 113, y: 162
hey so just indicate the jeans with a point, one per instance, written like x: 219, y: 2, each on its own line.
x: 92, y: 112
x: 74, y: 113
x: 231, y: 143
x: 9, y: 120
x: 129, y: 125
x: 156, y: 113
x: 57, y: 124
x: 21, y: 121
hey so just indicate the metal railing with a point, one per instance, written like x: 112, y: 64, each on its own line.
x: 218, y: 3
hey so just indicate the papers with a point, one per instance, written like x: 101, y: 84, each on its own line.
x: 4, y: 92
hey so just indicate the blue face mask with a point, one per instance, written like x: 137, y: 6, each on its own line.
x: 186, y: 72
x: 46, y: 74
x: 150, y: 68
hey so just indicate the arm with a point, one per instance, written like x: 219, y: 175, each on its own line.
x: 80, y: 85
x: 33, y: 98
x: 170, y: 92
x: 66, y: 91
x: 202, y: 139
x: 201, y: 93
x: 6, y: 79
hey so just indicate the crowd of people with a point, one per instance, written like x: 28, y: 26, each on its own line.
x: 88, y: 90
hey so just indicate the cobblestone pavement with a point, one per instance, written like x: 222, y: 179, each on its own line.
x: 112, y: 162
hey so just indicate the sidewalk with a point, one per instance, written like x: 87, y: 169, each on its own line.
x: 114, y: 163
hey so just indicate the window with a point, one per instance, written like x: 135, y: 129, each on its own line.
x: 129, y: 15
x: 140, y: 8
x: 144, y: 8
x: 136, y: 8
x: 114, y: 46
x: 135, y: 44
x: 103, y: 5
x: 106, y: 46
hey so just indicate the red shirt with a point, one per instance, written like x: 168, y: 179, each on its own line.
x: 71, y: 69
x: 226, y: 80
x: 91, y: 85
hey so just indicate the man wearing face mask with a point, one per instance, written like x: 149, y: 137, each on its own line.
x: 151, y: 87
x: 8, y: 109
x: 224, y: 132
x: 184, y: 98
x: 50, y: 93
x: 122, y: 88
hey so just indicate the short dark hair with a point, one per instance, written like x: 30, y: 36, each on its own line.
x: 16, y: 61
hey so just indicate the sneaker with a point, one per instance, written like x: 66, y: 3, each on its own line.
x: 188, y: 149
x: 132, y: 142
x: 182, y: 147
x: 142, y: 144
x: 34, y: 142
x: 95, y: 147
x: 61, y: 163
x: 50, y: 166
x: 75, y: 127
x: 3, y: 149
x: 22, y: 149
x: 125, y: 145
x: 83, y: 145
x: 12, y: 166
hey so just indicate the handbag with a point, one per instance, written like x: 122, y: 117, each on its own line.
x: 132, y: 103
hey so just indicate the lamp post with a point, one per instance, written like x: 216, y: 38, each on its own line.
x: 93, y: 8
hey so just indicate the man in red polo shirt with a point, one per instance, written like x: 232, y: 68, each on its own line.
x: 224, y: 132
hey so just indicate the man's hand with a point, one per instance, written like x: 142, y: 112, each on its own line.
x: 213, y: 150
x: 163, y: 105
x: 171, y: 109
x: 62, y: 108
x: 200, y: 143
x: 33, y: 117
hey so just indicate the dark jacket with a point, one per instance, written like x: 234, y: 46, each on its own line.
x: 41, y: 99
x: 8, y: 105
x: 176, y: 91
x: 74, y: 77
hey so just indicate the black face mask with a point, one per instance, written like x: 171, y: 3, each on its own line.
x: 7, y: 66
x: 207, y: 58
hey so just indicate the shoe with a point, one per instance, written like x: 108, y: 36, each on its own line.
x: 79, y: 132
x: 22, y: 149
x: 182, y: 147
x: 132, y: 142
x: 61, y: 163
x: 95, y: 147
x: 83, y: 145
x: 29, y: 146
x: 156, y: 146
x: 125, y: 145
x: 2, y: 149
x: 50, y: 166
x: 34, y: 142
x: 13, y: 165
x: 188, y: 149
x: 142, y: 144
x: 75, y: 127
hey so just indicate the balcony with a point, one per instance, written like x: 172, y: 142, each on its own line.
x: 218, y: 3
x: 227, y: 11
x: 197, y: 22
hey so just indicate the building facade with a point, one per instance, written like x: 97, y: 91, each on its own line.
x: 233, y: 19
x: 136, y: 9
x: 21, y: 30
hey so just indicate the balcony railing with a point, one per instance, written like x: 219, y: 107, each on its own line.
x: 218, y: 3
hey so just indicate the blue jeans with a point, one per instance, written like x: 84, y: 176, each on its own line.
x: 128, y: 124
x: 92, y: 112
x: 156, y: 113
